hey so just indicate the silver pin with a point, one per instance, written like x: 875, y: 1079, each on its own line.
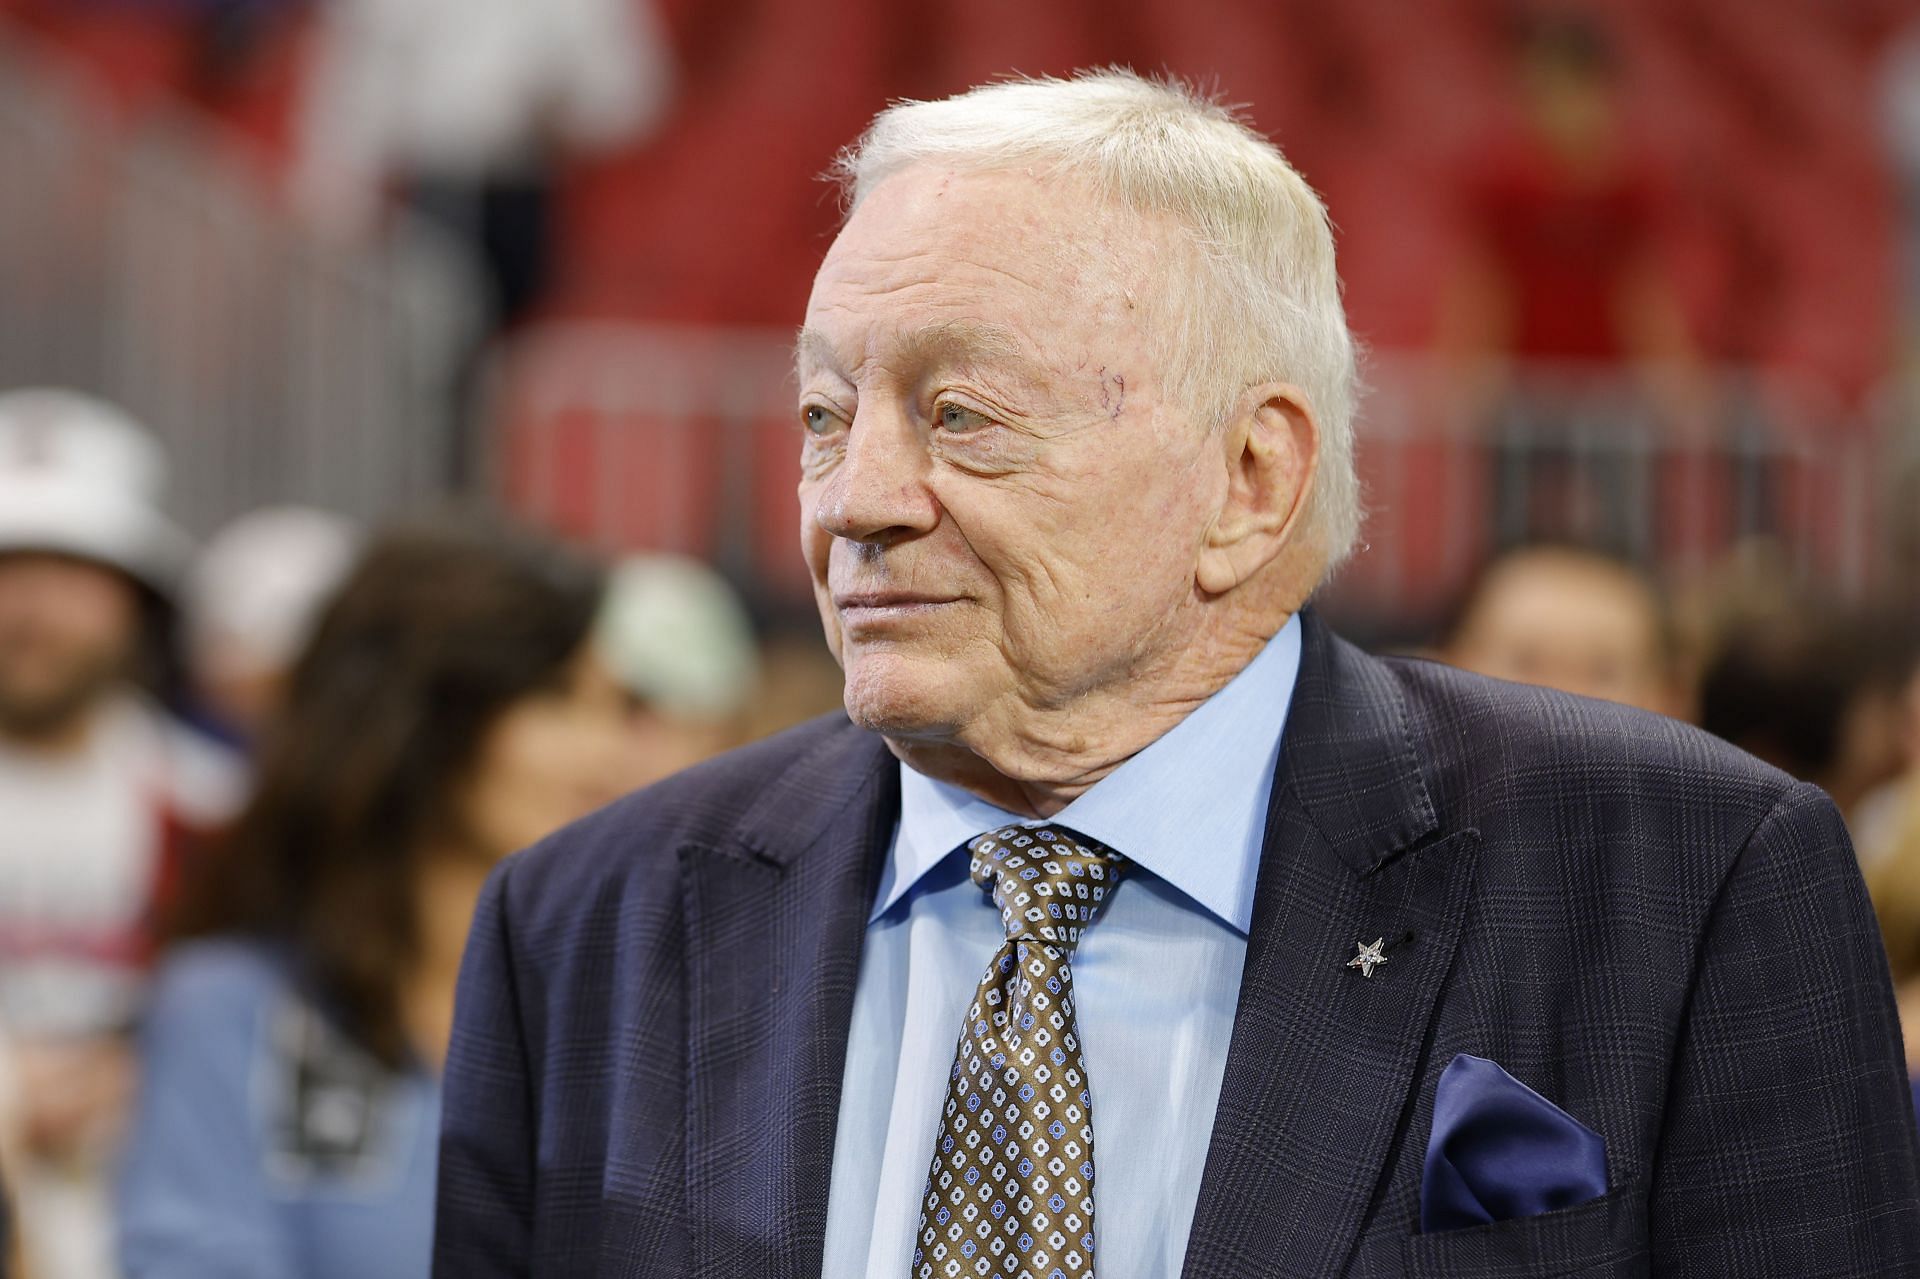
x: 1369, y: 958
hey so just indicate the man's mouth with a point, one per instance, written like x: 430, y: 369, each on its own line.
x: 877, y: 608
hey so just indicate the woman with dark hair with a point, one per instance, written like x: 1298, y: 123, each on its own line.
x: 448, y: 710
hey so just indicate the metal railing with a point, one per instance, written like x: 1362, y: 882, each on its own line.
x: 1588, y: 457
x: 663, y: 438
x: 145, y: 261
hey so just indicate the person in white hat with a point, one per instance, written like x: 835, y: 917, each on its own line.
x: 677, y: 638
x: 249, y: 604
x: 100, y: 788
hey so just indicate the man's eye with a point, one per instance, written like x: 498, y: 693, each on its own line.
x: 818, y: 420
x: 958, y: 419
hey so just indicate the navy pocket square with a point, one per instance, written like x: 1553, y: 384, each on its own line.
x: 1500, y: 1150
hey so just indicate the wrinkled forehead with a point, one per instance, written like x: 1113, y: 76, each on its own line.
x: 1007, y: 259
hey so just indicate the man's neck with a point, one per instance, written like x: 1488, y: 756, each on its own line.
x: 1034, y: 761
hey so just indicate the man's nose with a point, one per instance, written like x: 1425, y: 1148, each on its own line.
x: 878, y: 493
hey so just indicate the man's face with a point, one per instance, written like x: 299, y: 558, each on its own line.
x: 67, y: 631
x: 1002, y: 507
x: 1572, y: 624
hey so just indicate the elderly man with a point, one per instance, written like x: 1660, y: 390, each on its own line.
x: 1132, y: 923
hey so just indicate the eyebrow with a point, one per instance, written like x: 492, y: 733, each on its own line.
x: 964, y: 341
x: 810, y: 346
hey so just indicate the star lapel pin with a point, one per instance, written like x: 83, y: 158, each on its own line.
x: 1370, y: 957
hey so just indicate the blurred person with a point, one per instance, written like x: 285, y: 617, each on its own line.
x: 1894, y: 882
x: 449, y: 709
x: 1910, y: 720
x: 465, y: 110
x: 1561, y: 275
x: 1902, y: 508
x: 1876, y: 734
x: 799, y: 681
x: 461, y: 108
x: 678, y: 639
x: 1573, y: 619
x: 249, y: 603
x: 1885, y: 814
x: 1129, y: 921
x: 1818, y: 693
x: 9, y: 1241
x: 1755, y: 578
x: 100, y: 790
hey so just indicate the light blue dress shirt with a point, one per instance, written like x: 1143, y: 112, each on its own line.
x: 1155, y: 981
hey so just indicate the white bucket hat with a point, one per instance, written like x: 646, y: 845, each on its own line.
x: 256, y: 589
x: 672, y: 631
x: 80, y: 477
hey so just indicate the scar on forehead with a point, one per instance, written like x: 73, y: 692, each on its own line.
x: 1113, y: 392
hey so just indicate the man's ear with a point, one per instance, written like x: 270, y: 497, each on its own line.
x: 1271, y: 448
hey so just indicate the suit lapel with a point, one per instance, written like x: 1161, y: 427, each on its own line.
x: 775, y: 922
x: 1320, y: 1069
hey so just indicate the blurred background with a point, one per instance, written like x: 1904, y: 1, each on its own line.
x: 337, y: 334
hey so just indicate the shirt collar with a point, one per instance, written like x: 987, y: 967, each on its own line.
x: 1191, y: 808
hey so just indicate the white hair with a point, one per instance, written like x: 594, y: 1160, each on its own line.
x: 1267, y: 306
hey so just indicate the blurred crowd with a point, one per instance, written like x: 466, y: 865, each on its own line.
x: 251, y: 790
x: 250, y: 783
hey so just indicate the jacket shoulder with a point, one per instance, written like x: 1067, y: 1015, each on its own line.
x: 1498, y: 754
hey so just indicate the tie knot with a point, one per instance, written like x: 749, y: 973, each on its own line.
x: 1049, y: 882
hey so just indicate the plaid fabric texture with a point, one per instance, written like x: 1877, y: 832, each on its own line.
x: 1665, y: 938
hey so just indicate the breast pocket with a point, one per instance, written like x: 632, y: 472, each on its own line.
x: 1602, y: 1237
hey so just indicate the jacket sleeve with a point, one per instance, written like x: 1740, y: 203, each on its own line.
x: 483, y: 1225
x: 1789, y: 1145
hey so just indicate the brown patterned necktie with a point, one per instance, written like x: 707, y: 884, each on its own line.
x: 1010, y: 1190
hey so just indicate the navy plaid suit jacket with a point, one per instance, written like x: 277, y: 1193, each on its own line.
x: 1668, y: 939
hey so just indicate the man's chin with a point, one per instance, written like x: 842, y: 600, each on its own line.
x: 902, y: 698
x: 43, y: 709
